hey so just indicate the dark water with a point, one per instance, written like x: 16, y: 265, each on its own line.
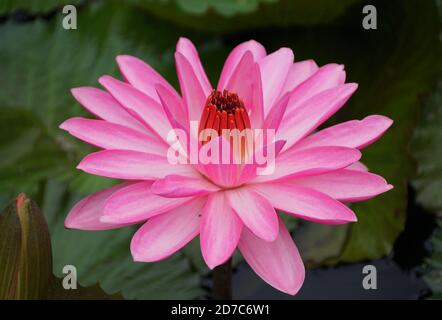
x: 398, y: 275
x: 343, y: 282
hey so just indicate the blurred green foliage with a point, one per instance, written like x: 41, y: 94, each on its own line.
x: 227, y: 16
x: 427, y: 149
x: 433, y: 273
x: 40, y: 62
x: 32, y: 6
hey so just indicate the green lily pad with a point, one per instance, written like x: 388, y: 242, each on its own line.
x: 28, y: 153
x: 227, y: 16
x: 223, y: 7
x: 433, y: 267
x: 427, y: 150
x: 35, y: 7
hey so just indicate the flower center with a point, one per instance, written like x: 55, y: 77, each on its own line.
x: 224, y: 110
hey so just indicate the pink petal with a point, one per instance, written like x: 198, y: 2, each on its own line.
x: 241, y: 80
x: 142, y: 76
x: 220, y: 172
x: 109, y: 135
x: 194, y: 95
x: 250, y: 169
x: 294, y: 163
x: 85, y: 215
x: 225, y: 175
x: 257, y: 50
x: 136, y: 203
x: 299, y: 72
x: 358, y: 166
x: 165, y: 234
x: 274, y: 70
x: 353, y: 134
x: 173, y: 105
x: 326, y: 77
x: 220, y: 230
x: 188, y: 50
x: 131, y: 165
x: 257, y: 109
x: 305, y: 203
x: 313, y: 113
x: 276, y: 115
x: 174, y: 186
x: 255, y: 212
x: 278, y: 263
x: 104, y: 106
x: 346, y: 185
x: 140, y: 105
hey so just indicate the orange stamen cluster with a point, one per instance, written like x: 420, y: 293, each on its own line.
x: 224, y: 110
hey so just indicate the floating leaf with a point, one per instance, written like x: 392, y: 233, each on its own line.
x: 227, y: 16
x: 27, y: 152
x: 433, y: 273
x: 223, y: 7
x: 427, y: 150
x: 32, y: 6
x: 319, y: 243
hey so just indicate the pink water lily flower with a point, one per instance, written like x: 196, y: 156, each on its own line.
x: 229, y: 205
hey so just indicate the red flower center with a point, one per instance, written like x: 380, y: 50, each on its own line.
x: 224, y: 110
